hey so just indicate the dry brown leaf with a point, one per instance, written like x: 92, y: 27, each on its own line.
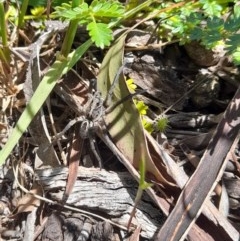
x: 136, y: 234
x: 28, y: 202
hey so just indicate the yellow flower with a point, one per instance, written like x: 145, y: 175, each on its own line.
x: 142, y: 108
x: 38, y: 11
x: 131, y: 86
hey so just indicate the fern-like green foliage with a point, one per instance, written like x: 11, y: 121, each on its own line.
x: 207, y: 21
x: 97, y: 16
x: 100, y: 34
x: 106, y: 9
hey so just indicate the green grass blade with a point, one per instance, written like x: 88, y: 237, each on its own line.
x: 60, y: 67
x: 5, y: 52
x: 22, y: 13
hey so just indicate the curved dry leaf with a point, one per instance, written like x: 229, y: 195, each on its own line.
x: 136, y: 234
x: 28, y: 202
x: 123, y: 122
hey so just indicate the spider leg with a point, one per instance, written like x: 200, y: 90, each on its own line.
x: 124, y: 99
x: 87, y: 132
x: 68, y: 126
x: 94, y: 148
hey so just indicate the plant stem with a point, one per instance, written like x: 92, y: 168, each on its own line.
x: 2, y: 56
x: 22, y: 13
x: 69, y: 37
x: 71, y: 32
x: 3, y: 25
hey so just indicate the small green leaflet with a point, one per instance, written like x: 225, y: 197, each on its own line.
x: 233, y: 42
x: 215, y: 23
x: 66, y: 12
x: 196, y: 34
x: 96, y: 16
x: 109, y: 9
x: 100, y: 34
x: 236, y: 56
x: 97, y: 10
x: 212, y: 8
x: 232, y: 24
x: 236, y: 11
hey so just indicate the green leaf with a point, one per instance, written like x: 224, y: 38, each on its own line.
x: 215, y: 23
x: 195, y: 18
x: 212, y: 8
x: 233, y: 42
x: 232, y: 25
x: 180, y: 29
x: 67, y: 12
x: 196, y: 34
x: 236, y: 56
x: 100, y: 34
x: 110, y: 9
x: 211, y: 38
x: 142, y: 183
x: 236, y: 10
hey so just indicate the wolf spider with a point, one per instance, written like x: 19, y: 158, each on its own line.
x: 93, y: 112
x: 92, y: 119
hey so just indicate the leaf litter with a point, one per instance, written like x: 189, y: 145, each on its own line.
x: 165, y: 77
